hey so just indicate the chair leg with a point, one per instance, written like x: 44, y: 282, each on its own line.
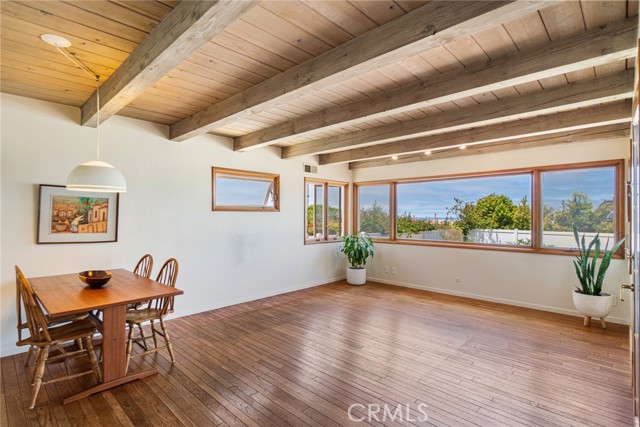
x: 35, y: 368
x: 29, y: 354
x: 166, y: 340
x: 129, y: 346
x: 42, y: 359
x: 153, y: 334
x: 144, y: 342
x: 88, y: 342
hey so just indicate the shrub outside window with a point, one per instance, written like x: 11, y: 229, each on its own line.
x: 239, y: 190
x: 493, y: 210
x: 325, y: 225
x: 529, y: 210
x: 373, y: 210
x: 585, y: 197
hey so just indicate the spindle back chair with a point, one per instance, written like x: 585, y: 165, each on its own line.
x: 155, y: 309
x: 43, y: 337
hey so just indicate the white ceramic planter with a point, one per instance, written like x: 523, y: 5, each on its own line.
x: 356, y: 276
x: 593, y: 306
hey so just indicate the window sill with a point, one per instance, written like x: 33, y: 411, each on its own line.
x: 487, y: 247
x: 319, y: 242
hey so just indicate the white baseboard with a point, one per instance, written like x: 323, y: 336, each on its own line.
x: 551, y: 309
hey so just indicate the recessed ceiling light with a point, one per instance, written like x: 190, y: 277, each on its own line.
x: 55, y: 40
x: 394, y: 157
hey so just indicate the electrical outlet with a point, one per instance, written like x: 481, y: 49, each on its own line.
x: 394, y: 270
x: 386, y: 269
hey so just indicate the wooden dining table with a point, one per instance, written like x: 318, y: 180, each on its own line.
x: 65, y: 294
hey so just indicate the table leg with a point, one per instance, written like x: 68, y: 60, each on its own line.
x: 114, y: 357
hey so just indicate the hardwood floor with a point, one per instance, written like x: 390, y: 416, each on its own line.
x: 304, y: 358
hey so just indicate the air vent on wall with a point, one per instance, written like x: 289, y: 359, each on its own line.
x: 310, y: 169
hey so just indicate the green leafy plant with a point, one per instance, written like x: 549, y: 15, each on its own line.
x: 586, y: 263
x: 357, y: 248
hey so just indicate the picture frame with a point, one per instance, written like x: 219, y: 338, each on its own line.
x: 66, y: 216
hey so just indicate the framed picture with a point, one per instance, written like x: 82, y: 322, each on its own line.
x: 76, y: 216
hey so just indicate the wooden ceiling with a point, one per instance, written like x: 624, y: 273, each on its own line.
x: 353, y: 81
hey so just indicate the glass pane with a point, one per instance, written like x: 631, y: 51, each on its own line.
x: 315, y: 213
x: 231, y: 191
x: 334, y: 225
x: 491, y: 210
x: 582, y: 196
x: 373, y: 214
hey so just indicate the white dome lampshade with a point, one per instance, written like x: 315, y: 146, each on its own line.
x: 96, y: 176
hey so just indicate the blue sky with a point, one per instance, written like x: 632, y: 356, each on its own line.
x: 427, y: 199
x: 239, y: 192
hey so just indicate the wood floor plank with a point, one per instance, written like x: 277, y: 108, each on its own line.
x: 303, y: 358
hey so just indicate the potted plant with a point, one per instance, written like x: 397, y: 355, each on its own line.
x: 588, y: 298
x: 357, y: 247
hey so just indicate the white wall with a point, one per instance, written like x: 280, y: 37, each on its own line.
x: 225, y: 257
x: 529, y: 280
x: 231, y: 257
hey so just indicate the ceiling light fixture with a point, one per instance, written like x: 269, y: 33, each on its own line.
x: 95, y: 175
x: 394, y: 157
x: 427, y: 153
x: 462, y: 147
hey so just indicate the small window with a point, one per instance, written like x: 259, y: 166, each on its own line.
x: 325, y: 225
x: 238, y: 190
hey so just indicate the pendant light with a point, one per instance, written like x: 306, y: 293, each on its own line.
x: 95, y: 175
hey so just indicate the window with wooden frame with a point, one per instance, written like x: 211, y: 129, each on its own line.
x: 526, y: 210
x: 239, y: 190
x: 325, y: 210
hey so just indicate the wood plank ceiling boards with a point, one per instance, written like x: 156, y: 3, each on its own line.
x: 336, y: 78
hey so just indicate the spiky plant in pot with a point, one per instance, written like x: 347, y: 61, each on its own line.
x: 585, y: 264
x: 588, y: 298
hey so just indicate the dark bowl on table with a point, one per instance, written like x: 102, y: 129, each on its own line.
x: 95, y: 278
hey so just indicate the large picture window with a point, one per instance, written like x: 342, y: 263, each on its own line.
x: 238, y: 190
x: 524, y: 210
x: 494, y: 210
x: 584, y: 197
x: 325, y: 210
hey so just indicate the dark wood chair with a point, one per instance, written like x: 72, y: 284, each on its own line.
x: 150, y: 312
x: 44, y: 337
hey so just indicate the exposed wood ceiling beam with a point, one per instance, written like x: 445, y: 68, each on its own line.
x: 600, y: 134
x: 600, y: 115
x: 575, y: 95
x: 429, y: 26
x: 602, y: 45
x: 185, y: 29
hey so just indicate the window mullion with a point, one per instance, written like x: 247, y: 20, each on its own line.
x: 536, y: 210
x: 325, y: 208
x: 392, y: 211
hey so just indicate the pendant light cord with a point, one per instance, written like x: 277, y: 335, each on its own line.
x: 84, y: 67
x: 98, y: 117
